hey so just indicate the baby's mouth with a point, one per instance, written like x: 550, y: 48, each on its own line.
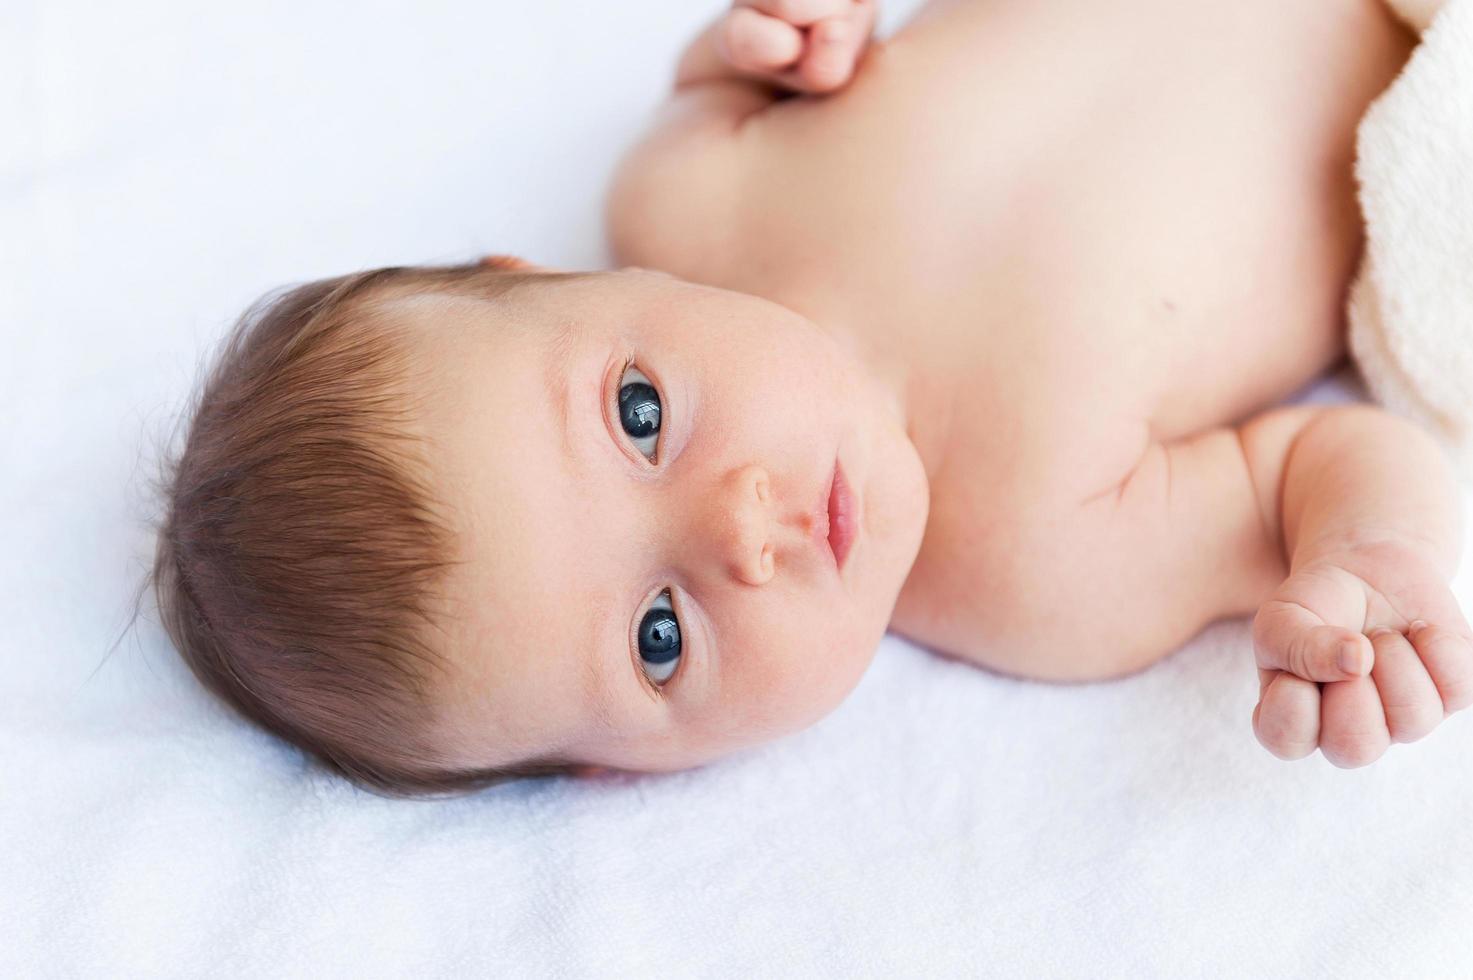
x: 841, y: 516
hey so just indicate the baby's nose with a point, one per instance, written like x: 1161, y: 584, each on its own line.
x: 742, y: 524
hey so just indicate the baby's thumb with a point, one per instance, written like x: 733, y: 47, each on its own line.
x: 1287, y: 636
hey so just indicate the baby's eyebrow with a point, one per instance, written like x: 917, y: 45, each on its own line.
x: 603, y: 686
x: 557, y: 364
x: 602, y: 690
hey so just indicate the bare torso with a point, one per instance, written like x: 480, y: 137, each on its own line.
x: 1086, y: 224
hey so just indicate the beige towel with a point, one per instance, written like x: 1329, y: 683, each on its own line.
x: 1410, y: 309
x: 1418, y: 13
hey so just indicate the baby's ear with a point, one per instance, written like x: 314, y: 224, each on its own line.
x: 508, y: 262
x: 652, y: 272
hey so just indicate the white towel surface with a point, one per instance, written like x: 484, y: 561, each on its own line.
x: 1411, y: 307
x: 166, y: 162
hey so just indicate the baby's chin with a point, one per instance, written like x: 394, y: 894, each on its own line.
x: 897, y: 511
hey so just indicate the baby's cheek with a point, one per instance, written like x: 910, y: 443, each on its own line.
x: 819, y: 674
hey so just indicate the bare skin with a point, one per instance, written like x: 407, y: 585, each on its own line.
x: 1102, y: 240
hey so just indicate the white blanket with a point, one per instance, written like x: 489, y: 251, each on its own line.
x: 163, y: 164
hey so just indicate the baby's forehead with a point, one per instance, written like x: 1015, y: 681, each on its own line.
x: 454, y: 333
x: 448, y: 319
x: 518, y: 602
x: 520, y: 652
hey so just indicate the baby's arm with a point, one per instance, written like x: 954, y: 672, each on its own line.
x: 683, y: 172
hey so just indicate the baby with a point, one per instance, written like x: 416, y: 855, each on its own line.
x: 972, y: 334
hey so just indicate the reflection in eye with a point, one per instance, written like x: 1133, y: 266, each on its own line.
x: 639, y: 411
x: 659, y: 640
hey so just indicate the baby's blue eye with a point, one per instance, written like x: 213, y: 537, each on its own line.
x: 659, y: 640
x: 639, y: 411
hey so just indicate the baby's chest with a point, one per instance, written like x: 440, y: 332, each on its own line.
x: 1084, y: 204
x: 1072, y: 167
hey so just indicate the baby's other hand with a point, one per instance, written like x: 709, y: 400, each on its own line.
x: 1357, y: 650
x: 807, y: 46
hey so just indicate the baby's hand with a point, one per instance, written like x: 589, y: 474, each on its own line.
x: 1357, y: 650
x: 804, y: 45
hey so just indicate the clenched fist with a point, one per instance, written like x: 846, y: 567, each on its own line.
x: 804, y: 45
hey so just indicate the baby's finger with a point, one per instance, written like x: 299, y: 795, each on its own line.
x: 799, y: 12
x: 833, y: 48
x: 755, y: 42
x: 1287, y: 719
x: 1287, y: 636
x: 1448, y: 657
x: 1352, y: 723
x: 1409, y: 699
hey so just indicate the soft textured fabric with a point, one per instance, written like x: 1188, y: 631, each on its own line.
x: 1417, y: 13
x: 1411, y: 307
x: 163, y: 163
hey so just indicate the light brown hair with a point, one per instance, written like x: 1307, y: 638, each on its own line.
x: 301, y: 548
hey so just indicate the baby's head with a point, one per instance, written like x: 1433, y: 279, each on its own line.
x: 445, y: 526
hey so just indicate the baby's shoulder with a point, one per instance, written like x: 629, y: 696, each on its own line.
x: 673, y: 190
